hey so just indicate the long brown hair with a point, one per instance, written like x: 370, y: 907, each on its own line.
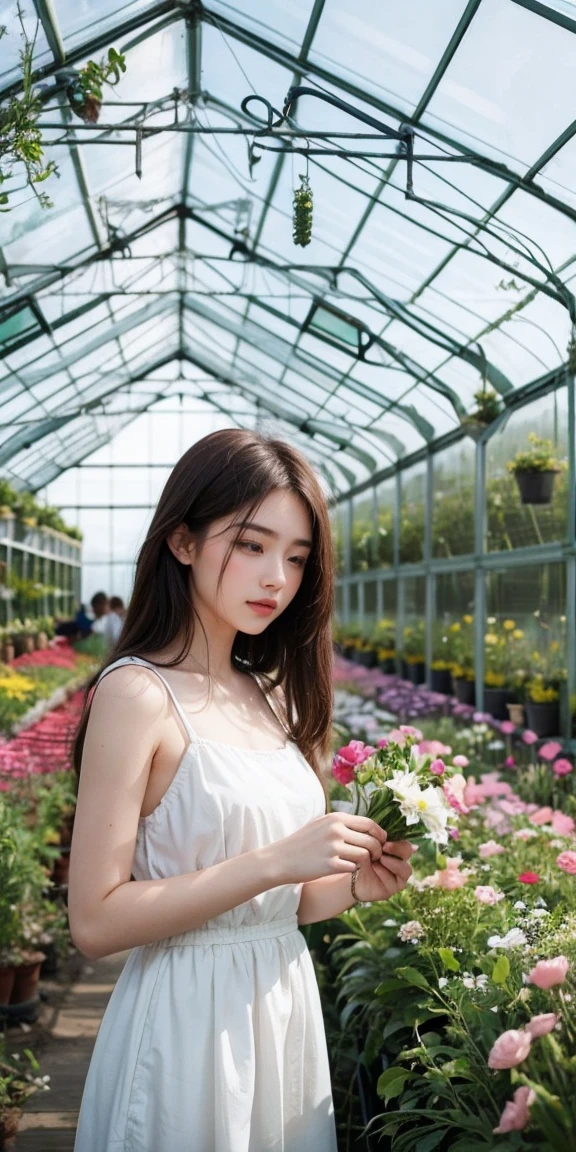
x: 228, y: 474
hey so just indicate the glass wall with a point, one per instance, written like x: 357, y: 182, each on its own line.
x: 362, y: 549
x: 490, y: 626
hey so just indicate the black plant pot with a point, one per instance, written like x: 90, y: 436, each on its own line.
x: 496, y: 701
x: 349, y: 651
x: 368, y: 658
x: 536, y: 487
x: 441, y: 680
x: 388, y: 666
x: 464, y: 690
x: 416, y: 673
x: 543, y: 719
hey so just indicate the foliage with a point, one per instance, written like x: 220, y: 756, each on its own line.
x: 413, y: 642
x: 85, y: 91
x: 25, y: 507
x: 21, y: 150
x: 427, y: 983
x: 538, y: 457
x: 302, y: 206
x: 488, y: 405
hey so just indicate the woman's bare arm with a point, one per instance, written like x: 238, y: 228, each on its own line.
x: 109, y: 912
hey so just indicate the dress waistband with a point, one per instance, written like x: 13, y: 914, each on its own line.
x: 200, y: 937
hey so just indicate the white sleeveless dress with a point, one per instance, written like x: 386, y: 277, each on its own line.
x: 213, y: 1040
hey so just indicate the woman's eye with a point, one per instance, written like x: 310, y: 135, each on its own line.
x: 298, y: 560
x: 249, y: 544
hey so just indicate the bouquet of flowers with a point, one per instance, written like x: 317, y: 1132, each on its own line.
x: 404, y: 785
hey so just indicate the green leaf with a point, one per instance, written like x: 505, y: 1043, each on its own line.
x: 432, y: 1140
x: 501, y: 970
x: 391, y: 1082
x: 413, y: 976
x: 448, y: 959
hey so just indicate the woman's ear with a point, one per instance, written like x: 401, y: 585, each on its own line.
x: 182, y: 545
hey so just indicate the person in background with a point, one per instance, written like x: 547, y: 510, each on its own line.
x: 101, y: 609
x: 115, y: 619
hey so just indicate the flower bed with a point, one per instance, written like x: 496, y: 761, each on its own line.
x: 455, y: 997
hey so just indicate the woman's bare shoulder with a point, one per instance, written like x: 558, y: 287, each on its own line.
x: 131, y: 685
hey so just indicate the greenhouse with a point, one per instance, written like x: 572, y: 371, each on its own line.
x: 396, y: 302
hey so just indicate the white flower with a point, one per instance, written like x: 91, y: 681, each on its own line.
x: 540, y: 902
x: 475, y: 982
x: 538, y: 913
x: 442, y: 981
x: 389, y: 923
x: 520, y: 905
x: 513, y: 939
x: 412, y: 931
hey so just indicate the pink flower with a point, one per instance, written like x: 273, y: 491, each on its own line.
x: 433, y: 748
x: 437, y: 767
x: 529, y: 878
x: 516, y: 1112
x: 567, y: 862
x: 453, y: 833
x: 562, y: 824
x: 541, y: 816
x: 450, y: 878
x: 348, y: 757
x: 490, y: 848
x: 461, y: 761
x: 383, y: 743
x: 541, y: 1025
x: 510, y: 762
x: 454, y: 789
x: 529, y: 737
x: 473, y: 793
x: 550, y: 750
x: 507, y: 727
x: 487, y: 895
x: 400, y: 735
x: 562, y: 767
x: 547, y: 973
x: 510, y: 1049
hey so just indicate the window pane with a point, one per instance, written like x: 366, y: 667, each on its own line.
x: 453, y: 500
x: 412, y: 514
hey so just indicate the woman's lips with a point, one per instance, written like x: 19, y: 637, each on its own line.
x: 259, y: 608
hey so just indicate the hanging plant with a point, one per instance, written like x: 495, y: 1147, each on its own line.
x: 535, y: 469
x: 85, y: 89
x: 20, y: 137
x: 302, y: 213
x: 488, y: 407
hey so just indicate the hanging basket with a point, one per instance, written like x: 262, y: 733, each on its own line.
x: 536, y: 487
x: 475, y: 429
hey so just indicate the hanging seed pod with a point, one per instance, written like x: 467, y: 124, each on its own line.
x: 302, y: 213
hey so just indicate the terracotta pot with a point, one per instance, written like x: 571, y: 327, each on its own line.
x: 29, y: 643
x: 6, y: 983
x: 41, y: 641
x: 26, y: 977
x: 19, y: 643
x: 9, y: 1127
x: 8, y: 653
x: 516, y: 714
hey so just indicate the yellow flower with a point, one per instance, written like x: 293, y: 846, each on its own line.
x: 454, y: 627
x: 490, y: 639
x: 509, y: 625
x: 555, y: 646
x: 518, y: 634
x: 468, y: 619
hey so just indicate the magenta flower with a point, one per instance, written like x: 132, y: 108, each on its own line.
x: 347, y: 759
x: 516, y: 1112
x: 550, y: 750
x: 510, y: 762
x: 547, y: 973
x: 510, y: 1049
x: 437, y: 767
x: 529, y: 737
x: 562, y: 767
x: 529, y: 878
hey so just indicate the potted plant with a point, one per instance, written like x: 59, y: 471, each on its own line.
x: 505, y: 664
x: 535, y: 469
x: 543, y: 706
x: 414, y: 663
x: 383, y: 637
x: 488, y: 407
x: 460, y: 650
x: 18, y: 1080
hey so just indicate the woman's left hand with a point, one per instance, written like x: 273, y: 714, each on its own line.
x: 378, y: 880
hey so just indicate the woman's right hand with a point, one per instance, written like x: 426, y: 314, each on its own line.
x: 328, y: 845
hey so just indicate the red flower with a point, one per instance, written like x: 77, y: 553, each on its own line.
x: 529, y: 877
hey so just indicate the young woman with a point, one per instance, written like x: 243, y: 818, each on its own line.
x: 201, y: 837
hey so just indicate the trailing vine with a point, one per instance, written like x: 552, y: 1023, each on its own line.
x: 302, y: 213
x: 21, y: 144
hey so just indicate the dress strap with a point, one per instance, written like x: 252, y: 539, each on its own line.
x: 152, y: 668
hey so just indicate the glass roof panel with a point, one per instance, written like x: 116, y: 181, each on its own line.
x: 392, y: 49
x: 12, y: 41
x: 75, y: 16
x: 507, y: 91
x: 287, y: 22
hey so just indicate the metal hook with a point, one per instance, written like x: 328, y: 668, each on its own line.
x: 269, y: 123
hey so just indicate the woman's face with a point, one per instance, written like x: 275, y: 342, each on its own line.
x: 265, y: 568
